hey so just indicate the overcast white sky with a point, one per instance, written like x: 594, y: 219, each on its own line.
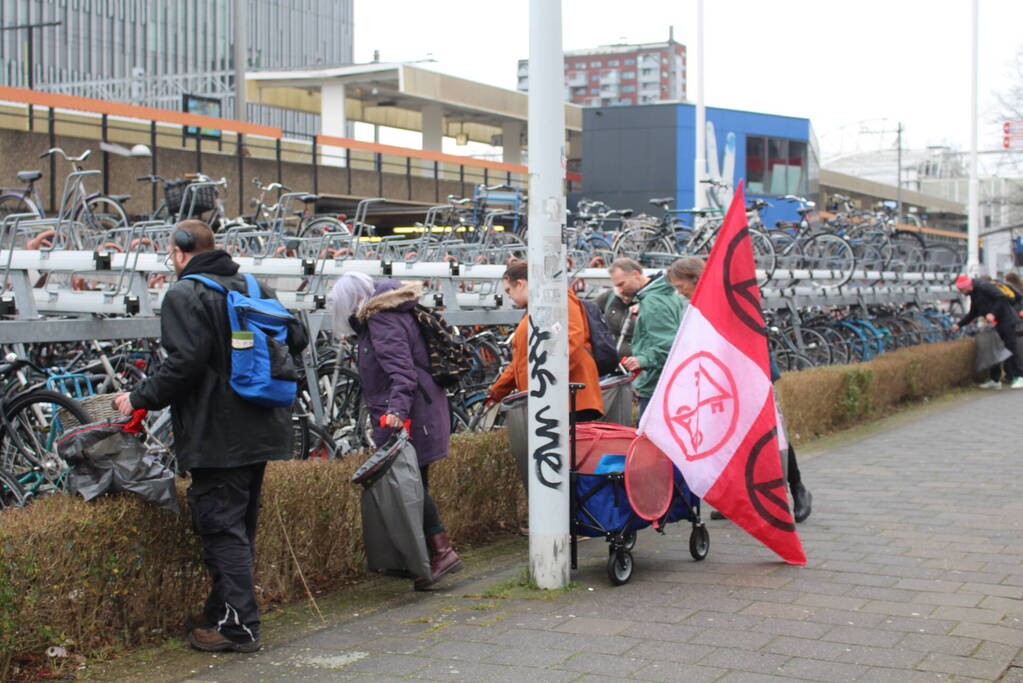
x: 837, y: 63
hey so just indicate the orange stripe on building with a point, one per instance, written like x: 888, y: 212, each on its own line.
x: 131, y: 111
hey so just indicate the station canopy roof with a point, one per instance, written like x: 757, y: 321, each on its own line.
x: 394, y: 94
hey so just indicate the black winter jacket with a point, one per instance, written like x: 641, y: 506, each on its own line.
x: 986, y: 298
x: 213, y: 426
x: 617, y: 313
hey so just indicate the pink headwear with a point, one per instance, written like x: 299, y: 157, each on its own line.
x: 963, y: 281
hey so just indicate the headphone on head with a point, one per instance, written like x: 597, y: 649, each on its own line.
x: 183, y: 240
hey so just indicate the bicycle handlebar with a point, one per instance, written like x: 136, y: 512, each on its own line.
x: 57, y: 150
x: 151, y: 179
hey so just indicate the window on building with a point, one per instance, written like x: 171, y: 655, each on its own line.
x: 612, y: 62
x: 597, y: 63
x: 594, y: 91
x: 628, y: 75
x: 776, y: 166
x: 630, y: 62
x: 628, y: 88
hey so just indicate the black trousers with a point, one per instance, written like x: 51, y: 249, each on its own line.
x: 1007, y: 333
x: 225, y: 509
x: 431, y: 518
x: 795, y: 478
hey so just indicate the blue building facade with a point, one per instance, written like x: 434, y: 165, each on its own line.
x: 631, y: 154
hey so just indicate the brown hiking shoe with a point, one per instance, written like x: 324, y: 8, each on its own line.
x: 212, y: 640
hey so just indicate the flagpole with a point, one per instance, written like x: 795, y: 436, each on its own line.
x: 549, y: 563
x: 700, y: 165
x: 973, y: 219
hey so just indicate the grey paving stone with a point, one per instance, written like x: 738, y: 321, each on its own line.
x: 518, y: 674
x: 535, y: 658
x: 675, y: 673
x: 609, y: 645
x: 604, y: 665
x: 745, y: 660
x: 719, y: 620
x: 732, y: 638
x: 679, y: 653
x: 789, y: 627
x: 472, y: 652
x: 676, y: 633
x: 886, y: 675
x: 950, y: 645
x: 594, y: 627
x: 389, y: 664
x: 805, y: 647
x: 817, y: 670
x: 880, y: 656
x: 961, y: 666
x: 856, y: 635
x: 998, y: 634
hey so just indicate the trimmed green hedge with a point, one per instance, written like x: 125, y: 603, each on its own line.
x: 116, y: 572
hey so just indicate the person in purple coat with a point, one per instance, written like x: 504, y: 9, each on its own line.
x: 397, y: 386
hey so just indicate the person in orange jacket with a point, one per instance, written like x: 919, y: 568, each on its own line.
x: 589, y: 405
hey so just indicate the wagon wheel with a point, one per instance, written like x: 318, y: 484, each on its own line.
x: 619, y: 567
x: 699, y: 542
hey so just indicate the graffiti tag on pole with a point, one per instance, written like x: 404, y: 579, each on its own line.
x: 547, y: 458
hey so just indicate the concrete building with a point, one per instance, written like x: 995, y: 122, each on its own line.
x: 617, y: 75
x: 153, y: 52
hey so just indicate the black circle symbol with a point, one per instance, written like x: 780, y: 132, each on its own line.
x: 766, y: 491
x: 742, y: 298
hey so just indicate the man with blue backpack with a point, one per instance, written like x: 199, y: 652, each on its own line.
x: 229, y: 379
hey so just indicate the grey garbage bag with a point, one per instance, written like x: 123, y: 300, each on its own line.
x: 392, y: 510
x: 616, y: 391
x: 109, y: 456
x: 990, y: 349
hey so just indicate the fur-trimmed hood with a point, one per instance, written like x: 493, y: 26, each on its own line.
x: 390, y: 295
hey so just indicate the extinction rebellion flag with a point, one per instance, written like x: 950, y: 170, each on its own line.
x: 713, y: 411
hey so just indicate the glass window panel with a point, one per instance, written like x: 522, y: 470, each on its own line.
x: 777, y: 155
x: 755, y: 164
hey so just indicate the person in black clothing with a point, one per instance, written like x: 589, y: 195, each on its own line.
x: 620, y: 314
x: 220, y: 439
x: 989, y: 301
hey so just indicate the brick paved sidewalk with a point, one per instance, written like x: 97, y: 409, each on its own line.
x: 915, y: 573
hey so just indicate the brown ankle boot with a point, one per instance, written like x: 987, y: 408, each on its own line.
x: 443, y: 558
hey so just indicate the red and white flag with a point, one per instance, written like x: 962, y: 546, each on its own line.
x: 713, y: 410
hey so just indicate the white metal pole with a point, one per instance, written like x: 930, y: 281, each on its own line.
x: 700, y: 164
x: 240, y: 59
x: 973, y: 221
x: 549, y: 562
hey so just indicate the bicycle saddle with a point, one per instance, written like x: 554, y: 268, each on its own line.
x: 662, y: 201
x: 29, y: 176
x: 122, y: 198
x: 309, y: 198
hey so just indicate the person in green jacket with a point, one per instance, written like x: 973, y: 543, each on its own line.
x: 660, y: 314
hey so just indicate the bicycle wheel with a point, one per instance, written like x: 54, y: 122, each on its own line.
x: 505, y: 246
x: 763, y: 256
x: 13, y: 204
x: 635, y: 242
x: 810, y: 343
x: 33, y: 424
x: 11, y: 495
x: 787, y: 254
x: 942, y: 258
x: 908, y: 252
x: 825, y: 252
x: 102, y: 214
x: 324, y: 225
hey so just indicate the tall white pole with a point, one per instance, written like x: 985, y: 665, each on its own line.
x: 700, y: 165
x: 549, y: 447
x: 973, y: 221
x: 240, y: 58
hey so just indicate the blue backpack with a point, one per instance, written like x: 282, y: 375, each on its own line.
x: 262, y: 369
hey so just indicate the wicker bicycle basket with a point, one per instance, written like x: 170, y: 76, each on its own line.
x: 205, y: 197
x: 99, y: 407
